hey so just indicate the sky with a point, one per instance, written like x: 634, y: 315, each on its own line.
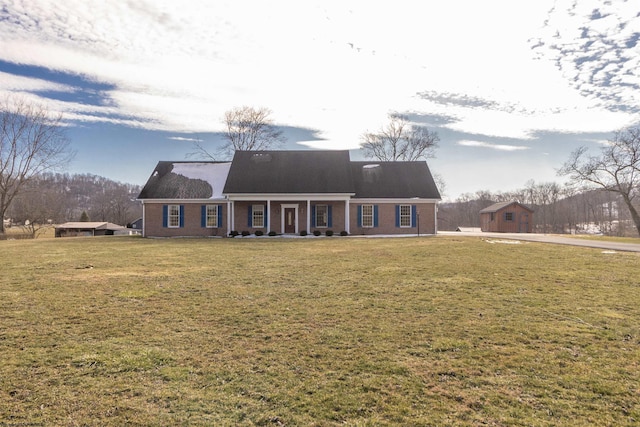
x: 511, y: 87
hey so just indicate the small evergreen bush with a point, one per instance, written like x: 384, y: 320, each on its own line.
x: 317, y: 232
x: 344, y: 233
x: 233, y: 233
x: 245, y: 233
x: 259, y: 233
x: 329, y: 233
x: 272, y: 233
x: 303, y: 233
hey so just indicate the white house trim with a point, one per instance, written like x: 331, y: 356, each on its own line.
x: 268, y: 214
x: 395, y: 201
x: 290, y: 197
x: 144, y: 217
x: 184, y: 201
x: 347, y: 220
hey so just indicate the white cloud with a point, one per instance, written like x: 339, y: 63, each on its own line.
x: 499, y: 147
x: 596, y: 48
x: 180, y: 138
x: 14, y: 83
x: 331, y: 66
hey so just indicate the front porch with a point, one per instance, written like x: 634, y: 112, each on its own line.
x: 289, y: 215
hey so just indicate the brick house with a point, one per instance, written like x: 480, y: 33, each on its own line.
x: 507, y: 217
x: 289, y: 192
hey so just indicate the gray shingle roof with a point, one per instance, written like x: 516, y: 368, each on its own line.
x: 498, y: 206
x: 289, y: 172
x: 393, y: 180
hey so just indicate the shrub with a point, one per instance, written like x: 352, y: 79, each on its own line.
x: 329, y: 233
x: 233, y: 233
x: 344, y: 233
x: 245, y: 233
x: 316, y: 232
x: 303, y: 233
x: 259, y: 232
x: 272, y: 233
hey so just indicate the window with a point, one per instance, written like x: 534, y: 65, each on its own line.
x: 257, y: 216
x: 322, y: 216
x: 367, y: 215
x: 212, y: 216
x: 509, y: 216
x: 405, y: 215
x: 173, y: 216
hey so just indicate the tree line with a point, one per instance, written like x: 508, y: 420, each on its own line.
x: 54, y: 198
x: 562, y: 209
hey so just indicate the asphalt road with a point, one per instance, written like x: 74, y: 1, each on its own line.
x: 551, y: 238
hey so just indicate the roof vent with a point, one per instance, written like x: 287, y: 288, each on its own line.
x: 370, y: 173
x: 261, y: 157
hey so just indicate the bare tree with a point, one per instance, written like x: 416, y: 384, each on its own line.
x: 400, y: 140
x: 616, y: 169
x: 545, y: 197
x: 37, y: 206
x: 441, y: 184
x: 246, y: 128
x: 112, y: 204
x: 32, y: 141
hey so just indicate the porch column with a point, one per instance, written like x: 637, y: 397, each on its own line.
x: 144, y: 220
x: 347, y: 221
x: 435, y: 217
x: 231, y: 216
x: 308, y: 215
x: 268, y: 224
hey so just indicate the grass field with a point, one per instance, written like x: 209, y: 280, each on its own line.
x: 317, y: 332
x: 603, y: 238
x: 16, y: 232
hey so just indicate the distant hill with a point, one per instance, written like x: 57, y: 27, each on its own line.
x: 60, y: 198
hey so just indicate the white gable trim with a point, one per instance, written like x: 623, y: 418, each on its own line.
x: 396, y: 201
x: 289, y: 197
x: 182, y: 201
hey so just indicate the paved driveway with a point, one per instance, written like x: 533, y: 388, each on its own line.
x: 551, y: 238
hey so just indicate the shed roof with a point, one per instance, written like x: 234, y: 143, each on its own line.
x: 393, y: 180
x: 89, y: 226
x: 499, y: 206
x: 290, y: 172
x: 469, y: 229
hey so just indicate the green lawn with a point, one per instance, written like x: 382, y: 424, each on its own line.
x: 317, y: 332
